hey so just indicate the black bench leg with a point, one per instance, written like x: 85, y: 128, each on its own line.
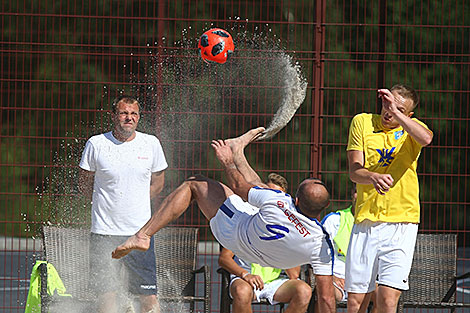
x: 44, y: 295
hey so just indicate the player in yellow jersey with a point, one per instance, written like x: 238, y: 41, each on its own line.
x: 382, y: 152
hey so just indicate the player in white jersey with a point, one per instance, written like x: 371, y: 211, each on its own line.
x: 278, y: 236
x: 284, y: 233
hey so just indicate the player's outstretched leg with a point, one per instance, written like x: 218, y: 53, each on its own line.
x: 138, y: 241
x: 209, y: 195
x: 237, y: 144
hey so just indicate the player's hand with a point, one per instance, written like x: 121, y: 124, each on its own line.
x: 339, y: 282
x: 223, y: 152
x: 389, y: 101
x: 255, y: 281
x: 382, y: 182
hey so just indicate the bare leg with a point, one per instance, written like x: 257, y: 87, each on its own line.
x: 242, y: 293
x: 373, y: 299
x: 338, y: 294
x: 355, y: 301
x: 325, y: 294
x: 209, y: 195
x: 238, y: 145
x: 365, y: 304
x: 387, y: 299
x: 295, y: 292
x: 149, y: 304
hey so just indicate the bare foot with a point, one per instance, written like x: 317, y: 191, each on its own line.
x: 132, y: 243
x: 237, y: 144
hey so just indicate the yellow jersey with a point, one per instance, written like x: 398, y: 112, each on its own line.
x: 386, y: 151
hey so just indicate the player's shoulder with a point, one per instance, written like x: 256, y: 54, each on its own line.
x: 331, y: 217
x: 149, y: 138
x: 100, y: 138
x: 366, y: 117
x: 269, y: 197
x: 271, y: 192
x: 363, y: 116
x: 367, y: 122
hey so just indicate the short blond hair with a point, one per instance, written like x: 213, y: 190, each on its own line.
x: 278, y: 180
x: 408, y: 93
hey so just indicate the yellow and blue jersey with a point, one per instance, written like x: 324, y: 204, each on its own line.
x: 386, y: 151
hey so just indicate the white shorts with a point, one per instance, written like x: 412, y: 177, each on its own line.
x: 225, y: 224
x: 379, y: 252
x: 267, y: 292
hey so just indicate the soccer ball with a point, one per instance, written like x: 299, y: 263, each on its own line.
x: 216, y: 45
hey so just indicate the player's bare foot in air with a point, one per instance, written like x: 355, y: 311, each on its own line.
x: 135, y: 242
x: 237, y: 144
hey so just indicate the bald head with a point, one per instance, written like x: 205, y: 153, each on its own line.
x: 312, y: 197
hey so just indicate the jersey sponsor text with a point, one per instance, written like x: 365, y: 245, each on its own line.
x: 298, y: 225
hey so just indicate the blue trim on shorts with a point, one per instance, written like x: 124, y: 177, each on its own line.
x: 226, y: 210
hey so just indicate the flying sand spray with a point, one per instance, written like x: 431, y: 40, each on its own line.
x: 197, y: 102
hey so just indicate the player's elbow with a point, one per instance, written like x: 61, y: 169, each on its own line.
x: 352, y: 177
x: 159, y: 188
x: 155, y: 190
x: 427, y: 139
x: 353, y: 173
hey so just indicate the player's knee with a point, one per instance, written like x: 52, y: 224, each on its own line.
x: 149, y: 305
x: 327, y: 297
x: 196, y: 178
x: 354, y: 303
x: 303, y: 293
x: 388, y: 297
x: 195, y: 181
x: 242, y: 293
x: 389, y: 302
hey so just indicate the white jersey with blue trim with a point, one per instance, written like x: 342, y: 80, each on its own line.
x: 331, y: 224
x: 281, y: 236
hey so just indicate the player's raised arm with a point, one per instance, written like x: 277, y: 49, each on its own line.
x: 401, y: 111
